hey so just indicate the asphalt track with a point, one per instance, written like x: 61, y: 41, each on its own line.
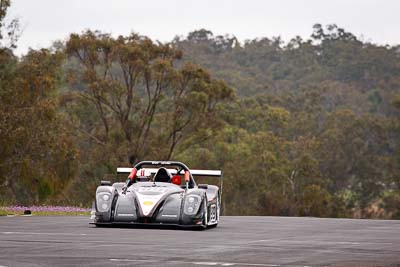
x: 237, y: 241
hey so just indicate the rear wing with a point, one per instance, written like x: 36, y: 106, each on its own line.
x: 150, y: 171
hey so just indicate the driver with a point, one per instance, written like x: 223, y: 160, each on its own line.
x: 162, y: 175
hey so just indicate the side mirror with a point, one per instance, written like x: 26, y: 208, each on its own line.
x: 105, y: 183
x: 203, y: 186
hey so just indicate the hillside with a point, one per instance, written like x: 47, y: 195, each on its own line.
x: 306, y: 128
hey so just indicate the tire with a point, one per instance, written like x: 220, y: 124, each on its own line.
x: 218, y: 209
x: 205, y: 213
x: 113, y: 204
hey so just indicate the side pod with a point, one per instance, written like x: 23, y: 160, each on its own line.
x: 125, y: 209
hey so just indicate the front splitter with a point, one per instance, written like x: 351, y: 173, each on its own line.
x: 152, y: 225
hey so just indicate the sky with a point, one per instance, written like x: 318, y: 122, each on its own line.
x: 45, y: 21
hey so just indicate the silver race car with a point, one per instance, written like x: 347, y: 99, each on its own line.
x: 159, y: 193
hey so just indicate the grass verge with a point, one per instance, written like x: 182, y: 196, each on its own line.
x: 45, y: 211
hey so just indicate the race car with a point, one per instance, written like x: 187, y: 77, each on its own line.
x: 159, y: 193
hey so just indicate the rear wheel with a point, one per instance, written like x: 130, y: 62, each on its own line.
x: 218, y: 208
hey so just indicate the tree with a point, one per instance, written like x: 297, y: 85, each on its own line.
x: 36, y: 154
x: 134, y: 85
x: 9, y: 33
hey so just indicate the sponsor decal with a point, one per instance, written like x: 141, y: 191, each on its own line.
x: 152, y: 189
x: 148, y: 203
x: 161, y: 163
x: 169, y: 215
x: 125, y: 214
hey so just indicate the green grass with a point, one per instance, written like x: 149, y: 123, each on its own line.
x: 46, y: 213
x: 3, y: 213
x: 60, y: 213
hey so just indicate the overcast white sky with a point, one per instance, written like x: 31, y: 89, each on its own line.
x: 45, y: 21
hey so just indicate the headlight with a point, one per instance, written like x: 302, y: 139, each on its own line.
x: 192, y: 204
x: 103, y: 201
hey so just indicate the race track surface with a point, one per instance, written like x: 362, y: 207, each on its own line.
x: 237, y: 241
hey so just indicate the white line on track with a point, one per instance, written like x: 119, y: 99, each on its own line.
x: 317, y: 242
x: 265, y: 240
x: 36, y: 233
x: 206, y: 263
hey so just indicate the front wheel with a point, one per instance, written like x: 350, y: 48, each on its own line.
x: 205, y: 213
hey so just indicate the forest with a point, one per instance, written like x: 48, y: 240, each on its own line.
x: 308, y: 127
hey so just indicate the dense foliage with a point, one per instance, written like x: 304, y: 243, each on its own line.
x: 315, y: 129
x: 308, y: 128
